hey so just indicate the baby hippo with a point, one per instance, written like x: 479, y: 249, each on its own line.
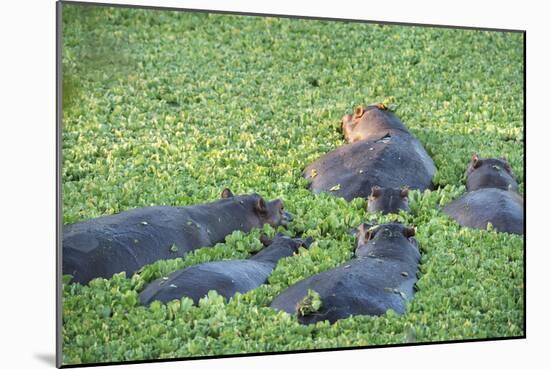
x: 491, y: 198
x: 388, y: 200
x: 382, y: 277
x: 227, y: 277
x: 127, y: 241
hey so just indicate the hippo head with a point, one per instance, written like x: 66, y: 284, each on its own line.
x: 270, y: 212
x: 280, y: 246
x: 373, y: 119
x: 368, y: 236
x: 351, y: 121
x: 281, y: 239
x: 388, y: 200
x: 489, y: 173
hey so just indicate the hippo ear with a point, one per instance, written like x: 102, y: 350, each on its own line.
x: 368, y: 230
x: 381, y: 106
x: 361, y: 230
x: 226, y: 193
x: 476, y: 161
x: 375, y: 191
x: 261, y: 206
x: 359, y: 111
x: 409, y: 232
x: 506, y: 165
x: 369, y: 235
x: 404, y: 192
x: 265, y: 240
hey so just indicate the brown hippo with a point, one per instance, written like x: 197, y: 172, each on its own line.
x: 388, y: 200
x: 226, y: 277
x: 381, y: 152
x: 127, y: 241
x: 381, y: 278
x: 491, y: 198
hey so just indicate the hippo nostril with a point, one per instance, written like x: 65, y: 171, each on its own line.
x: 305, y: 243
x: 288, y: 216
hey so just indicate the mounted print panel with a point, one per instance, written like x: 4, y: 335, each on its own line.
x: 236, y: 184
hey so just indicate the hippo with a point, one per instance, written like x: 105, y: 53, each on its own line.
x: 127, y: 241
x: 380, y: 278
x: 226, y: 277
x: 381, y: 152
x: 388, y: 200
x: 490, y: 173
x: 491, y: 197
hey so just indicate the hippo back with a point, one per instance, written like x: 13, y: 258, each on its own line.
x: 393, y: 160
x: 125, y: 242
x: 502, y: 208
x: 365, y: 286
x: 226, y: 277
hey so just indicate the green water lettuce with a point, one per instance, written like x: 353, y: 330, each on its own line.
x: 169, y: 108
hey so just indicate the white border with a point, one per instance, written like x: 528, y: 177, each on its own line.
x: 27, y: 131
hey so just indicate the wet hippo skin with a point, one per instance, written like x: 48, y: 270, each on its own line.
x: 381, y: 153
x: 226, y: 277
x: 382, y: 277
x: 127, y: 241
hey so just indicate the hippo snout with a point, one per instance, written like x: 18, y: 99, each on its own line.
x: 307, y: 242
x: 287, y: 217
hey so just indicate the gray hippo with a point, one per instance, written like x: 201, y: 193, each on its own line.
x: 382, y: 277
x: 491, y: 198
x: 226, y: 277
x: 127, y: 241
x: 388, y: 200
x: 381, y: 152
